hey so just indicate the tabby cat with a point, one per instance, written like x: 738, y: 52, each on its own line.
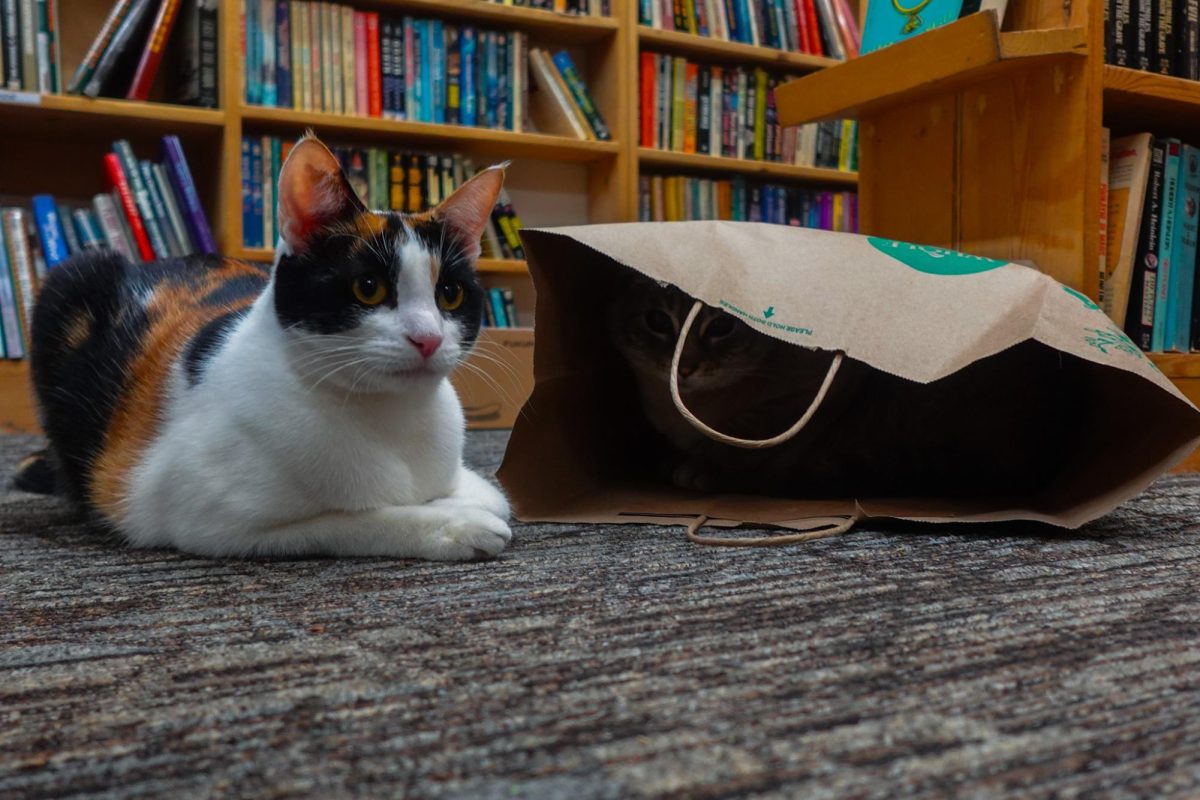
x: 226, y: 410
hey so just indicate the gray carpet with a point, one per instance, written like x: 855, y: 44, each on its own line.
x: 610, y: 662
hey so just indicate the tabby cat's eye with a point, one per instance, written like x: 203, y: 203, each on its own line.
x: 450, y: 295
x: 369, y: 290
x: 659, y: 322
x: 719, y: 328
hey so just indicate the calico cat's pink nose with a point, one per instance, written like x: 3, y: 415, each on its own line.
x: 426, y: 344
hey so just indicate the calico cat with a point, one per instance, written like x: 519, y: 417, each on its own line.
x: 873, y: 435
x: 226, y: 410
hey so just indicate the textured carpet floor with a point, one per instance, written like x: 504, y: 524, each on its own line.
x: 610, y: 662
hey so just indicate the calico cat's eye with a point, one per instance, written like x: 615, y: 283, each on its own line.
x: 659, y: 322
x: 369, y: 290
x: 450, y: 295
x: 719, y: 328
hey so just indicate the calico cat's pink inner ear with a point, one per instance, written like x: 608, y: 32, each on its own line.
x: 313, y: 193
x: 467, y: 211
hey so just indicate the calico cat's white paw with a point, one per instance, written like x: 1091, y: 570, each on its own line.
x: 474, y: 491
x: 469, y: 533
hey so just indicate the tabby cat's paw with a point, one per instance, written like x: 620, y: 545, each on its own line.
x: 469, y: 533
x: 695, y: 475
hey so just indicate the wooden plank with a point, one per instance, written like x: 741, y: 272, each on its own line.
x: 1136, y: 101
x: 696, y: 162
x: 942, y: 60
x: 907, y: 178
x: 1178, y: 365
x: 1022, y: 175
x: 560, y: 28
x: 115, y: 118
x: 17, y: 413
x: 471, y: 141
x: 716, y: 50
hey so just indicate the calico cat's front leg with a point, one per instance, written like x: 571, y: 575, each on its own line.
x: 432, y: 532
x: 472, y: 490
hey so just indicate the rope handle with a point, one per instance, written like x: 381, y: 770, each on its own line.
x: 831, y: 529
x: 750, y: 444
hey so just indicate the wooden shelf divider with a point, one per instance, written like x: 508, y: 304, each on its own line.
x: 967, y: 51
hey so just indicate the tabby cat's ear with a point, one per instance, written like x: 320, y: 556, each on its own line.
x: 313, y: 193
x: 467, y: 211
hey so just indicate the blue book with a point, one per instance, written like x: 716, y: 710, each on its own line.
x: 1183, y: 276
x: 497, y: 300
x: 503, y: 95
x: 1166, y: 243
x: 283, y: 53
x: 437, y: 57
x: 253, y: 65
x: 88, y: 230
x: 412, y: 82
x: 10, y: 319
x: 466, y: 43
x: 425, y: 71
x: 888, y: 25
x: 256, y: 190
x: 249, y: 232
x: 50, y: 230
x: 490, y: 70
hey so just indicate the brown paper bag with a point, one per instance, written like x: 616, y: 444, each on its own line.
x: 951, y: 332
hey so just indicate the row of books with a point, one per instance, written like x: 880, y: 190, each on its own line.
x: 320, y: 56
x: 22, y: 268
x: 400, y: 181
x: 817, y: 27
x: 588, y: 8
x: 730, y: 111
x: 1160, y: 36
x: 676, y: 197
x: 29, y: 47
x: 500, y: 310
x: 1150, y: 199
x: 124, y: 58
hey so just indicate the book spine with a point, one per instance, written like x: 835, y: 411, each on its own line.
x: 121, y: 183
x: 437, y: 81
x: 1186, y: 227
x: 510, y: 307
x: 185, y: 188
x: 269, y: 58
x: 647, y: 91
x: 87, y: 230
x: 348, y: 69
x: 43, y: 82
x: 50, y: 230
x: 1187, y: 39
x: 158, y: 209
x: 504, y: 118
x: 468, y: 43
x: 690, y: 92
x: 1102, y: 243
x: 10, y: 30
x: 387, y: 77
x: 70, y: 235
x: 268, y: 192
x: 10, y: 316
x: 1166, y: 243
x: 29, y: 65
x: 496, y: 299
x: 174, y: 211
x: 1139, y: 318
x: 147, y: 67
x: 566, y: 66
x: 284, y: 92
x: 374, y: 90
x: 412, y: 61
x: 492, y: 94
x: 362, y: 90
x: 1143, y: 12
x: 1165, y: 39
x: 1120, y: 14
x: 453, y: 53
x: 108, y: 215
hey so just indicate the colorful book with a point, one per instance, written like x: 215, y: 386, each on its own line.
x: 1166, y: 245
x: 1183, y: 274
x: 1129, y: 168
x: 120, y: 183
x: 566, y: 68
x: 1139, y: 316
x: 185, y: 191
x: 50, y: 230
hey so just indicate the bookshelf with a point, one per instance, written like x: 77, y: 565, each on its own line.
x: 53, y: 143
x: 952, y: 154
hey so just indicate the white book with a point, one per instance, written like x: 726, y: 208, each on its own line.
x: 716, y: 116
x: 111, y: 225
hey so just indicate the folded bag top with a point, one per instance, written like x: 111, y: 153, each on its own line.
x: 921, y: 314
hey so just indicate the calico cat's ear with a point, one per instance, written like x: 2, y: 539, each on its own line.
x: 313, y: 193
x: 467, y: 211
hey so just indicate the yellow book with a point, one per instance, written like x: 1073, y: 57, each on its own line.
x: 678, y: 101
x: 297, y: 67
x: 760, y: 114
x: 349, y: 86
x: 846, y: 145
x: 839, y: 212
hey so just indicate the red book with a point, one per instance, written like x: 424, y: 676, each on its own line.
x: 814, y: 33
x: 373, y: 75
x: 649, y: 73
x: 152, y: 56
x: 802, y: 34
x: 116, y: 175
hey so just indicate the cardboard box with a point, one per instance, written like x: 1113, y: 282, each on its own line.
x: 497, y: 377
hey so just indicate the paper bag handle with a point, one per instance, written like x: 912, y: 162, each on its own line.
x: 711, y: 433
x: 832, y: 528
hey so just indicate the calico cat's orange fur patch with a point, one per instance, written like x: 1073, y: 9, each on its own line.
x: 176, y: 311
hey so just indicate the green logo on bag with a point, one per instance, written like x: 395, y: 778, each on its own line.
x: 933, y: 260
x: 1083, y: 298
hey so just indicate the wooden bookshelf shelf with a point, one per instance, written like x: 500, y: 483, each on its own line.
x: 1135, y: 100
x: 563, y: 28
x: 710, y: 49
x: 1177, y: 365
x: 508, y: 266
x: 968, y: 51
x: 695, y: 162
x: 499, y: 144
x: 17, y: 413
x: 103, y: 116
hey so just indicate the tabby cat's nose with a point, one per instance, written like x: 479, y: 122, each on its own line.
x: 426, y: 344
